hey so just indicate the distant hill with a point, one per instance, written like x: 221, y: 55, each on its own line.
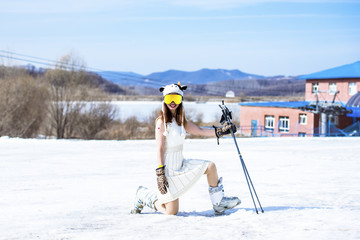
x: 123, y: 78
x: 211, y: 82
x: 156, y: 79
x: 202, y: 76
x: 278, y: 86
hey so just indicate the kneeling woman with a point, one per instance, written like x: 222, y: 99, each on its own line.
x: 176, y: 175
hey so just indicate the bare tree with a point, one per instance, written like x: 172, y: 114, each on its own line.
x: 22, y: 104
x: 68, y: 92
x: 94, y: 119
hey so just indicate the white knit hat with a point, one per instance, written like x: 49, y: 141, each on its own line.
x: 173, y: 88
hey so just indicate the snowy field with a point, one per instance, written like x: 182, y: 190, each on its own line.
x: 72, y: 189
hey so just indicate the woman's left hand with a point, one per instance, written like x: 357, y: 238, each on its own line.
x: 221, y: 131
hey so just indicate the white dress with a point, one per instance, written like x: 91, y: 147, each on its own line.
x: 181, y: 173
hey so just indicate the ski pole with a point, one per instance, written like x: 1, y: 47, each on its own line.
x: 227, y: 117
x: 247, y: 176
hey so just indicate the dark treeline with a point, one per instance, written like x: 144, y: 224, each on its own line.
x: 252, y: 87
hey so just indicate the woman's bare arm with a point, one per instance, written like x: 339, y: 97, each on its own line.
x: 192, y: 128
x: 160, y: 141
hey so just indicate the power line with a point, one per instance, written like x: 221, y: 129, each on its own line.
x: 21, y: 59
x: 44, y: 61
x: 53, y: 63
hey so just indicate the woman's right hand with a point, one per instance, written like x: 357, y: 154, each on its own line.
x: 161, y: 180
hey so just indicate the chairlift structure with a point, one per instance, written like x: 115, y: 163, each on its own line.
x: 326, y: 110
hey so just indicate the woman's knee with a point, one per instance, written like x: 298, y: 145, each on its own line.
x: 211, y: 168
x: 172, y: 208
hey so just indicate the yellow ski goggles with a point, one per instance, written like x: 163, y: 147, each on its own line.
x: 176, y: 98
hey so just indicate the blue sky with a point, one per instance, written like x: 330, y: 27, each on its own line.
x: 287, y: 37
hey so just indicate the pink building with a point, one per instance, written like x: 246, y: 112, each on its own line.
x: 326, y: 89
x: 326, y: 95
x: 276, y: 119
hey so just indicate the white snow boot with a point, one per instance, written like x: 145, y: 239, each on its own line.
x: 219, y: 201
x: 144, y: 197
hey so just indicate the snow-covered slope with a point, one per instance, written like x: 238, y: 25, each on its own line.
x: 72, y: 189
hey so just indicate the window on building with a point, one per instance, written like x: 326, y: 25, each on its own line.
x: 332, y: 88
x: 302, y: 134
x: 284, y: 124
x: 303, y: 118
x: 269, y: 123
x: 352, y: 88
x: 315, y: 87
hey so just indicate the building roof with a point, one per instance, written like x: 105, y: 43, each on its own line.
x: 276, y: 104
x: 346, y: 71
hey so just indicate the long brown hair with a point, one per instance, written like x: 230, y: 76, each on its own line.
x: 168, y: 117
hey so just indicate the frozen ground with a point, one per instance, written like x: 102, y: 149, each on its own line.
x: 67, y: 189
